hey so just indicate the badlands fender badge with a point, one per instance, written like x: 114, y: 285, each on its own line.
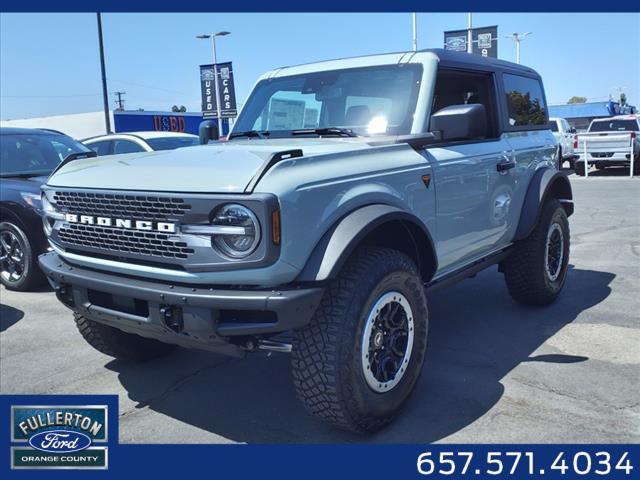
x: 65, y: 436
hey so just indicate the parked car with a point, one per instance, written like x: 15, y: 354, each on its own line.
x: 563, y: 133
x: 27, y: 157
x: 611, y: 142
x: 347, y: 189
x: 133, y: 142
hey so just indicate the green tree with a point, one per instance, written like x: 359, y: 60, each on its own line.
x: 576, y: 99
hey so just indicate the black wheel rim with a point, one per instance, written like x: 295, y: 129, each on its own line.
x: 554, y: 254
x: 12, y: 259
x: 387, y: 342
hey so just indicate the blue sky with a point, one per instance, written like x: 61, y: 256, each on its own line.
x: 49, y: 62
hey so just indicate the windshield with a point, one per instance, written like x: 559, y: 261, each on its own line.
x: 171, y: 143
x: 372, y: 100
x: 614, y: 126
x: 35, y: 154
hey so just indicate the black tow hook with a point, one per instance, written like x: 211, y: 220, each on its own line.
x: 64, y: 293
x: 172, y: 317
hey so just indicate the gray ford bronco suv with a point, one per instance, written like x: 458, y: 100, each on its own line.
x: 347, y: 190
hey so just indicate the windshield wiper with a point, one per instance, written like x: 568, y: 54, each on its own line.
x: 340, y: 132
x: 251, y: 133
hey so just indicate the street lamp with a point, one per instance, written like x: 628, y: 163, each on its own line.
x: 517, y: 37
x: 213, y: 36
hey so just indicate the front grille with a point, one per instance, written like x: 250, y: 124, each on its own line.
x: 139, y: 207
x: 124, y: 241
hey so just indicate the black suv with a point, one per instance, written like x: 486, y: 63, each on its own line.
x: 27, y: 157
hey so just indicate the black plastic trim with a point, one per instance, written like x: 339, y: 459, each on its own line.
x: 543, y: 180
x: 337, y: 244
x: 293, y: 307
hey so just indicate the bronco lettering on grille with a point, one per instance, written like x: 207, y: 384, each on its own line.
x: 147, y: 225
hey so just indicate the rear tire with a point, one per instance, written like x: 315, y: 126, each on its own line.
x: 119, y: 344
x: 357, y: 362
x: 636, y: 165
x: 579, y: 168
x: 537, y: 267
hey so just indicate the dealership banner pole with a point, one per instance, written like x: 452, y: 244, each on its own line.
x: 215, y: 81
x: 415, y: 32
x: 105, y: 95
x: 469, y: 33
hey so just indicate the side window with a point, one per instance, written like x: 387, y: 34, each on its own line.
x: 457, y: 87
x: 525, y: 102
x: 126, y: 146
x: 101, y: 148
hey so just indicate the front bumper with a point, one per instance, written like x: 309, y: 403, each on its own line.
x: 215, y: 318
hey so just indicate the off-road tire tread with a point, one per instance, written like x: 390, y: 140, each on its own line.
x: 522, y: 270
x: 314, y: 356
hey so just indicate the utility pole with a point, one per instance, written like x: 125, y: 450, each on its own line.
x: 517, y: 37
x: 105, y: 96
x: 469, y: 33
x: 415, y: 32
x: 120, y: 100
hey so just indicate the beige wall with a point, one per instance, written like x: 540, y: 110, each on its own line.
x: 77, y: 125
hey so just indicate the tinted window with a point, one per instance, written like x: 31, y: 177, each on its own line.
x: 455, y: 87
x: 126, y: 146
x: 101, y: 148
x: 525, y: 102
x: 368, y: 100
x: 614, y: 126
x: 553, y: 125
x: 35, y: 154
x: 171, y: 143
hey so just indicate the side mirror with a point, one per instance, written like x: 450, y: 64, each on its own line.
x: 572, y: 130
x: 208, y: 130
x: 460, y: 122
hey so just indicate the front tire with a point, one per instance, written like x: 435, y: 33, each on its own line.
x: 537, y: 267
x: 119, y: 344
x: 357, y: 362
x: 18, y: 263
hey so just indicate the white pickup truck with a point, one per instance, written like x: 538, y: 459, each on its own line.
x: 564, y: 134
x: 610, y: 142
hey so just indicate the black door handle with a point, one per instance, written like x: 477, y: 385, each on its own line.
x: 504, y: 166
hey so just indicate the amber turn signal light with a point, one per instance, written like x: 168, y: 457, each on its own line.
x: 275, y: 227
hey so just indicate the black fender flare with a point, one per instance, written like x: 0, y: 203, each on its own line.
x: 337, y: 244
x: 546, y: 183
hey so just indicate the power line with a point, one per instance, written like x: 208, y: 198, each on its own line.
x: 120, y: 100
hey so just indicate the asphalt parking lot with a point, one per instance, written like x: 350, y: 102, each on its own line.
x: 495, y: 371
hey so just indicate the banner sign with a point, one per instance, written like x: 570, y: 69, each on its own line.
x: 484, y: 41
x: 228, y: 108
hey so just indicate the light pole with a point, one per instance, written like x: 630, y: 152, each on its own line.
x: 517, y: 37
x: 103, y: 71
x: 213, y: 36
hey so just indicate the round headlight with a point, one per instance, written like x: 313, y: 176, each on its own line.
x: 238, y: 234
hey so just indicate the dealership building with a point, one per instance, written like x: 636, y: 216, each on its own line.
x: 84, y: 125
x: 579, y: 115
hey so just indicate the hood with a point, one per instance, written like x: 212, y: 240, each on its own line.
x: 216, y: 168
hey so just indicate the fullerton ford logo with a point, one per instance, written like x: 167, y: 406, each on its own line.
x: 125, y: 223
x: 71, y: 436
x: 60, y: 441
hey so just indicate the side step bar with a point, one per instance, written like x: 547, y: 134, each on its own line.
x: 468, y: 271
